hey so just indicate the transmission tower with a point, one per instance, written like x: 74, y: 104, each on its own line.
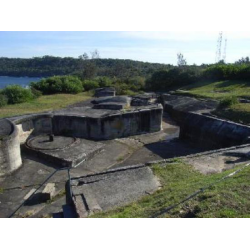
x: 218, y: 51
x: 225, y: 51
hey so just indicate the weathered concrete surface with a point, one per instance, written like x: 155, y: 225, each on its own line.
x: 32, y: 125
x: 112, y: 103
x: 157, y: 146
x: 117, y: 99
x: 143, y: 99
x: 198, y: 127
x: 213, y: 132
x: 216, y: 162
x: 64, y: 151
x: 6, y: 128
x: 35, y: 170
x: 188, y: 104
x: 104, y: 191
x: 10, y: 155
x: 103, y: 125
x: 108, y: 91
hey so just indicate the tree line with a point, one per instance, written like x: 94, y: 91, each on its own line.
x: 85, y: 66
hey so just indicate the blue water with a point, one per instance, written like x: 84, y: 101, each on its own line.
x: 23, y: 81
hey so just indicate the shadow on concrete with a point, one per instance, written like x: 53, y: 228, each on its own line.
x: 173, y: 148
x: 28, y: 155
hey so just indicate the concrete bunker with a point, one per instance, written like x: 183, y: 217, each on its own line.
x: 107, y: 91
x: 74, y: 131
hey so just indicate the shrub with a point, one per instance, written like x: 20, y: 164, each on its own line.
x: 17, y: 94
x: 128, y: 92
x: 3, y: 100
x: 36, y: 93
x: 228, y: 102
x: 104, y: 82
x: 121, y: 88
x: 71, y: 85
x: 173, y: 78
x: 59, y: 84
x: 90, y: 84
x: 227, y: 72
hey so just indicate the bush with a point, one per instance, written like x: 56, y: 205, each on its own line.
x: 136, y: 83
x: 72, y: 85
x: 17, y: 94
x: 104, y: 82
x: 36, y: 93
x: 173, y: 78
x: 90, y: 84
x: 3, y: 100
x: 128, y: 92
x: 228, y: 102
x: 59, y: 84
x: 227, y: 72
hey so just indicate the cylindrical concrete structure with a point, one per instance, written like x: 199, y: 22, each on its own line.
x: 10, y: 153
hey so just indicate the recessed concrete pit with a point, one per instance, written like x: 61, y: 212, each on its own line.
x: 50, y: 142
x: 62, y: 150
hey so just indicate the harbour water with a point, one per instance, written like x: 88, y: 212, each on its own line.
x: 23, y: 81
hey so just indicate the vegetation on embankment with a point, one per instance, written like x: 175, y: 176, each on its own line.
x: 43, y: 103
x: 229, y: 93
x: 229, y: 198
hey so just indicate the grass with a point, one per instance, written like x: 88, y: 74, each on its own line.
x: 239, y: 112
x: 218, y: 90
x: 229, y: 198
x: 42, y: 104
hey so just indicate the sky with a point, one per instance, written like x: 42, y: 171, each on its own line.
x: 148, y: 46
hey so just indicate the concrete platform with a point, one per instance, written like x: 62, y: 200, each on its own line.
x: 111, y: 189
x: 64, y: 151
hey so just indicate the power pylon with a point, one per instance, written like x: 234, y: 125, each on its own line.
x: 218, y: 50
x: 225, y: 51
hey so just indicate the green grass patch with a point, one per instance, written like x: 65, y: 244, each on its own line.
x: 218, y: 90
x: 226, y: 199
x: 43, y: 104
x: 227, y: 93
x: 1, y: 190
x: 238, y: 113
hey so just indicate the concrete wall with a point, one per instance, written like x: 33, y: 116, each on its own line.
x: 111, y: 126
x: 10, y: 155
x: 213, y: 132
x: 207, y: 131
x: 33, y: 125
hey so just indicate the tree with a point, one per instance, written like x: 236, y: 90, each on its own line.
x: 243, y: 61
x: 95, y: 54
x: 89, y: 70
x: 84, y: 56
x: 181, y: 61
